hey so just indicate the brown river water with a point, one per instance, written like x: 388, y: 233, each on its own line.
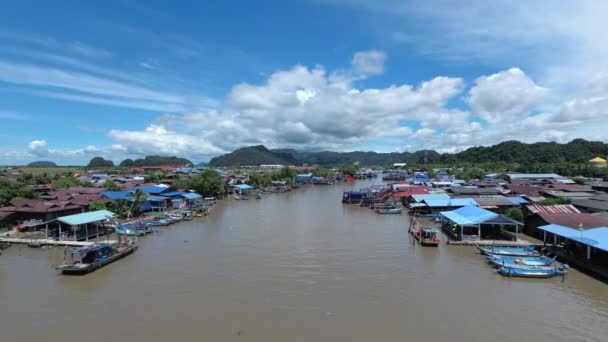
x: 298, y: 266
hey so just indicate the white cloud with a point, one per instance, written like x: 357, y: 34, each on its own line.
x: 156, y: 139
x: 368, y: 63
x: 38, y: 148
x: 89, y: 51
x: 505, y: 95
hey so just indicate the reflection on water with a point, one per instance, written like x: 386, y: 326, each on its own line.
x: 298, y: 266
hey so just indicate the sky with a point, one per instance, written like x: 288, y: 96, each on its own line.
x: 196, y: 79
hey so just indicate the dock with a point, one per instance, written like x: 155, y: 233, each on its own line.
x: 501, y: 243
x: 50, y: 242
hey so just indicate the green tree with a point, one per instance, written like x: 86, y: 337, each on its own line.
x: 138, y: 197
x: 208, y: 183
x: 554, y: 201
x: 111, y: 185
x: 120, y: 207
x: 97, y: 205
x: 579, y: 180
x: 181, y: 183
x: 350, y: 170
x: 321, y: 172
x: 65, y: 182
x: 515, y: 213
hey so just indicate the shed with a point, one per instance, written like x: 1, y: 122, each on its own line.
x: 591, y: 238
x: 475, y: 217
x: 85, y: 219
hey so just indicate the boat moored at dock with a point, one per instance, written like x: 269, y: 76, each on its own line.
x: 522, y: 252
x: 88, y: 259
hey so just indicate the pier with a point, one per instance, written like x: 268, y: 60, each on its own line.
x: 501, y: 243
x: 50, y: 242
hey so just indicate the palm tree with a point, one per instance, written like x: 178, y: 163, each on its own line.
x: 138, y: 196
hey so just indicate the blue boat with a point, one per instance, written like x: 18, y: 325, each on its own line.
x: 533, y: 271
x: 499, y: 261
x: 522, y: 252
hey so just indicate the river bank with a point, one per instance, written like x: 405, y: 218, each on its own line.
x: 295, y: 266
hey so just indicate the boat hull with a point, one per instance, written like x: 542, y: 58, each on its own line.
x: 530, y: 272
x: 74, y: 270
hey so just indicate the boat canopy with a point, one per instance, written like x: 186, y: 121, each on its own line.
x: 91, y: 248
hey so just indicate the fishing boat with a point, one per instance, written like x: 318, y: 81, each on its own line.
x: 258, y: 195
x: 426, y: 237
x: 187, y: 215
x: 533, y: 271
x: 159, y: 223
x: 499, y: 261
x: 522, y: 252
x: 88, y: 259
x: 128, y: 232
x: 244, y: 197
x: 389, y: 211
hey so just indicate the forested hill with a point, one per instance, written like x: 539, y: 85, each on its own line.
x: 576, y: 151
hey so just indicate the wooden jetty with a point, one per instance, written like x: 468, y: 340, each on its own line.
x: 50, y: 242
x: 501, y: 243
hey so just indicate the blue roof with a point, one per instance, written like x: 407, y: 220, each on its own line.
x: 450, y: 202
x: 191, y: 195
x: 469, y: 215
x: 517, y: 200
x: 420, y: 198
x: 116, y: 195
x: 84, y: 218
x: 173, y: 194
x: 243, y: 186
x: 595, y: 237
x: 156, y: 199
x: 151, y: 189
x: 304, y: 175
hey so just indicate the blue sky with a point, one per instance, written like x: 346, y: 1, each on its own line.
x: 131, y: 78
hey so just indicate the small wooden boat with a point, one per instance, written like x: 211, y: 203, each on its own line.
x: 128, y: 232
x: 389, y: 211
x: 499, y: 261
x: 533, y: 271
x: 90, y: 258
x: 522, y: 252
x: 426, y: 237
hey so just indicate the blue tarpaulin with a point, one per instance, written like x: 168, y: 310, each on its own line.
x: 595, y: 237
x: 518, y: 200
x: 243, y: 186
x: 191, y: 195
x: 469, y: 215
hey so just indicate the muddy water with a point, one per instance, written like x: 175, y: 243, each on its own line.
x: 298, y: 266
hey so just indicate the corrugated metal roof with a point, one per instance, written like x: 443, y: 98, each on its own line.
x: 84, y: 218
x: 469, y: 215
x: 116, y: 195
x: 191, y: 195
x: 450, y: 202
x: 591, y: 204
x: 420, y: 198
x: 560, y: 208
x: 493, y: 201
x: 596, y: 237
x: 573, y: 220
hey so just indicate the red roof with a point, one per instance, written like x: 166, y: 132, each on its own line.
x: 412, y: 191
x: 553, y: 209
x: 573, y: 220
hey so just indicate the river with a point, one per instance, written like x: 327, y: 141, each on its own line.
x: 298, y: 266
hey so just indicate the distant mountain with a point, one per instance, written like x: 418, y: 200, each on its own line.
x: 576, y: 151
x: 254, y: 155
x: 42, y: 163
x: 100, y: 162
x: 155, y: 161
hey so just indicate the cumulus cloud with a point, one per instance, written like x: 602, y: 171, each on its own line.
x: 368, y: 63
x: 38, y: 148
x: 156, y: 139
x: 505, y: 94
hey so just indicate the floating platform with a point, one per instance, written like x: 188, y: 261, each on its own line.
x: 501, y: 243
x: 50, y: 242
